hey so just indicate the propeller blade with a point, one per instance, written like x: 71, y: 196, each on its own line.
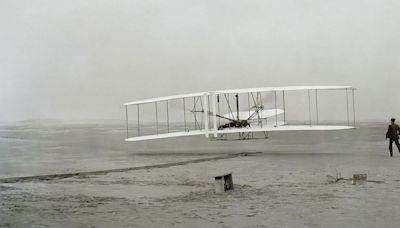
x: 256, y: 111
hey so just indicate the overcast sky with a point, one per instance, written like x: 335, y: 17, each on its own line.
x: 74, y: 59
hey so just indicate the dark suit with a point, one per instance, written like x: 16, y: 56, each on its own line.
x: 393, y: 136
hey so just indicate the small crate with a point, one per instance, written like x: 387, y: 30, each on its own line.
x: 359, y: 179
x: 223, y: 183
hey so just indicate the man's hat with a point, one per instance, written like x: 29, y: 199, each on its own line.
x: 393, y: 119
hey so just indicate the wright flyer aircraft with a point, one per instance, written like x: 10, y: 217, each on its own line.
x: 242, y: 113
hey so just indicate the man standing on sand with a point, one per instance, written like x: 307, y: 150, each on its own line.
x: 393, y: 136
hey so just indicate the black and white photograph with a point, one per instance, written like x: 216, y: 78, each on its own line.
x: 192, y: 114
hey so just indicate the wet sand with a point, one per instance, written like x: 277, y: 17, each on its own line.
x: 282, y: 186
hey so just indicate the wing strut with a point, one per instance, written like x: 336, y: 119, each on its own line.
x: 309, y: 106
x: 261, y: 105
x: 354, y: 110
x: 209, y: 108
x: 284, y: 107
x: 127, y: 125
x: 156, y: 117
x: 237, y: 105
x: 196, y: 123
x: 219, y: 111
x: 205, y: 107
x: 316, y: 104
x: 248, y: 103
x: 138, y: 120
x: 184, y: 112
x: 202, y: 108
x: 214, y: 112
x: 276, y: 112
x: 167, y: 117
x: 347, y: 107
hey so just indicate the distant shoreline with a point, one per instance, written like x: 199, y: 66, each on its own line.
x: 122, y: 121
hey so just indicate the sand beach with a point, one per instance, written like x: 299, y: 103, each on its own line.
x: 279, y: 182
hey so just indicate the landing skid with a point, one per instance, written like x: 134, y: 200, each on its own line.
x: 240, y: 136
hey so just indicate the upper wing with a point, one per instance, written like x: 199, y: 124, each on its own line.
x: 246, y: 90
x: 158, y: 99
x: 283, y: 88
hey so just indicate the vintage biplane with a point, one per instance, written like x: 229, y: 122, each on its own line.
x: 239, y: 112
